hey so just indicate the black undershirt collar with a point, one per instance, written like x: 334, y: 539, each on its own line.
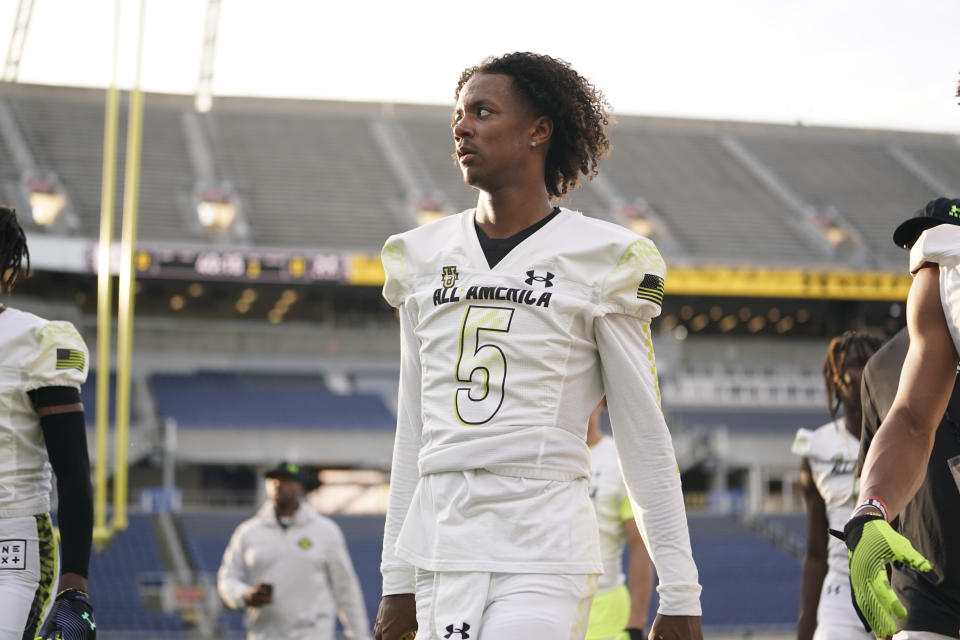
x: 496, y: 249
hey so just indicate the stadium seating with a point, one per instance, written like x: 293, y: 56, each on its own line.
x: 313, y: 174
x: 309, y: 180
x: 748, y: 583
x: 66, y: 134
x: 743, y: 422
x: 941, y: 160
x: 709, y: 200
x: 234, y: 401
x: 859, y: 178
x: 131, y: 560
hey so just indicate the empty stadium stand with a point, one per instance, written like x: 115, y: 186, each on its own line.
x: 857, y: 176
x: 748, y: 583
x: 235, y: 401
x: 65, y: 132
x: 118, y: 575
x: 710, y: 201
x: 309, y: 179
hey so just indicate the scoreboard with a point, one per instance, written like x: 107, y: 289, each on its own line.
x: 249, y: 265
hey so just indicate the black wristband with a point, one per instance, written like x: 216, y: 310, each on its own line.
x: 635, y: 634
x: 66, y: 438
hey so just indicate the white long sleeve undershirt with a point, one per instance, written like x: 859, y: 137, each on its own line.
x: 647, y: 458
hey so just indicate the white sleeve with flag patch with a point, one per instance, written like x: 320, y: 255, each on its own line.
x: 634, y: 286
x: 61, y: 358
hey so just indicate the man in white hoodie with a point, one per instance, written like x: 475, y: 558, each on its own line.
x: 289, y: 566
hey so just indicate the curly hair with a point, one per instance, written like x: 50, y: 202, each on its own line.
x: 847, y: 350
x: 579, y: 112
x: 13, y: 249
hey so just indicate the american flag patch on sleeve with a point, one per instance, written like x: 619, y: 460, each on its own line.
x: 651, y: 288
x: 70, y: 359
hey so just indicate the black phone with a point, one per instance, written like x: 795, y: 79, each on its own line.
x: 267, y: 588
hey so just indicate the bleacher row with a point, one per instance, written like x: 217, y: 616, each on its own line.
x: 315, y: 174
x: 244, y: 401
x: 748, y: 582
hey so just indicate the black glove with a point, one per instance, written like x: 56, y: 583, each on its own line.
x: 636, y: 634
x: 70, y: 619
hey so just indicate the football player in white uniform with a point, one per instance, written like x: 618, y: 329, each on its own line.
x: 829, y: 486
x: 896, y: 463
x: 42, y: 365
x: 618, y: 613
x: 516, y: 317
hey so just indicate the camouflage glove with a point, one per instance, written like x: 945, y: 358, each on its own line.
x: 70, y: 619
x: 872, y: 545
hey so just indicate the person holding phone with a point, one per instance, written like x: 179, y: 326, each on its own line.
x: 288, y: 566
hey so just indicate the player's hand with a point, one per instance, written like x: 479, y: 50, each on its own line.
x: 873, y: 544
x: 676, y: 628
x: 70, y: 619
x: 258, y: 596
x: 396, y: 618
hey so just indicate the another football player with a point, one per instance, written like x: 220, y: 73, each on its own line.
x: 619, y: 610
x: 828, y: 480
x: 516, y: 317
x: 42, y: 365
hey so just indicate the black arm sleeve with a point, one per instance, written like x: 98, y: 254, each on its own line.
x: 66, y: 438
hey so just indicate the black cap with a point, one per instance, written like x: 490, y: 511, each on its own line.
x: 939, y: 211
x: 287, y: 470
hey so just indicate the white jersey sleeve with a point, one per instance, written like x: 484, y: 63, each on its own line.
x: 940, y: 245
x: 647, y: 457
x: 60, y: 358
x: 634, y: 286
x: 801, y: 443
x: 398, y: 575
x: 395, y: 270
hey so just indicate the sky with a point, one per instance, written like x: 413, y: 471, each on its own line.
x: 877, y: 64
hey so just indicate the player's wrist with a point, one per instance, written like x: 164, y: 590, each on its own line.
x: 871, y: 505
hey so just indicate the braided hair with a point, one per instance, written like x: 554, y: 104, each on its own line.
x: 845, y: 351
x: 578, y: 109
x: 13, y: 249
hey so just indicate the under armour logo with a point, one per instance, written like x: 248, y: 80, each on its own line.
x: 86, y: 618
x: 460, y: 630
x: 533, y: 277
x: 833, y: 589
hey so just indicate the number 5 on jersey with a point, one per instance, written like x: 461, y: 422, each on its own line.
x: 481, y: 365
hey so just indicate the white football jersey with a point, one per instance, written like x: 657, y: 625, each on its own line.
x: 509, y: 365
x: 34, y: 353
x: 500, y: 369
x: 941, y: 245
x: 612, y: 504
x: 832, y: 452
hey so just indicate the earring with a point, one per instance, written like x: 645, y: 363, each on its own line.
x: 533, y: 143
